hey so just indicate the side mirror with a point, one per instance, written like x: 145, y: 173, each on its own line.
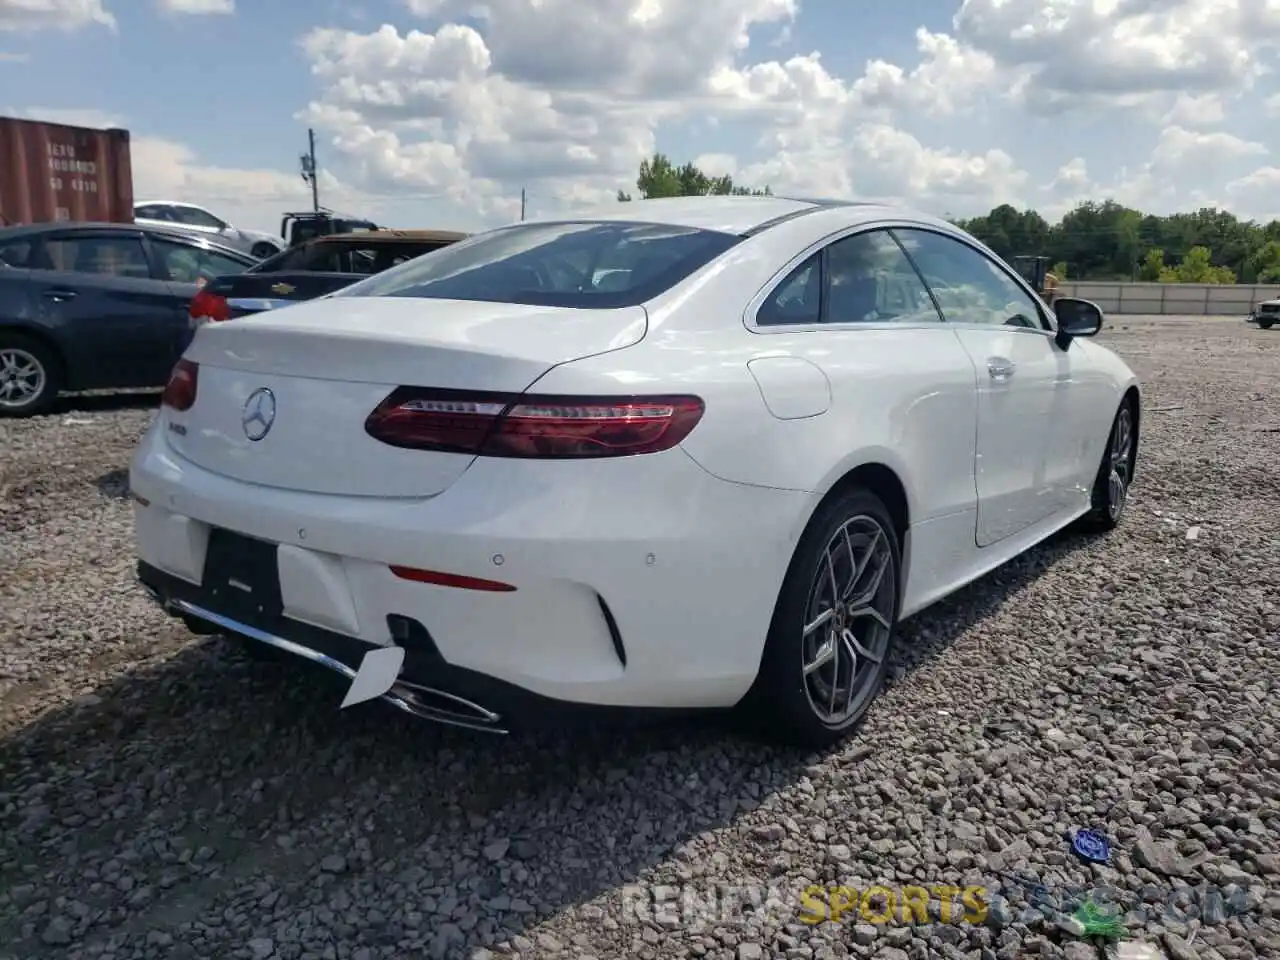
x: 1076, y: 318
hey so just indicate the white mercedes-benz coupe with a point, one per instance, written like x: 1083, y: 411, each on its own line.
x: 688, y: 453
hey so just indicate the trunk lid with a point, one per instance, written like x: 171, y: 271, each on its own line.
x: 327, y: 364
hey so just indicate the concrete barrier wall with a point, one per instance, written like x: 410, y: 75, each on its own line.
x: 1193, y: 299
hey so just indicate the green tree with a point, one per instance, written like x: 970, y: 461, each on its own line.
x: 1197, y: 267
x: 1263, y: 265
x: 1152, y: 266
x: 659, y: 177
x: 1097, y: 240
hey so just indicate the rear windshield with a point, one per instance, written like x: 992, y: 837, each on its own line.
x: 595, y: 265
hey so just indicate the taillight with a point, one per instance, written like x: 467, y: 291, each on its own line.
x: 180, y: 391
x: 209, y: 306
x: 516, y: 425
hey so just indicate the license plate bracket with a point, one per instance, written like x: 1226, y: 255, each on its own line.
x: 242, y: 577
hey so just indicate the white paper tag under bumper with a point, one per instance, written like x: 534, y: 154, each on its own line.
x: 377, y: 674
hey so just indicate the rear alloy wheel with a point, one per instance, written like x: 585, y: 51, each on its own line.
x: 28, y: 377
x: 1115, y: 473
x: 832, y: 633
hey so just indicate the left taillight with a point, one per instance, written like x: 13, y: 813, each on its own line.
x: 209, y: 306
x: 532, y: 427
x: 180, y: 392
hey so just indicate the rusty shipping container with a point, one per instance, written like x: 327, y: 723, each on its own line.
x: 51, y: 171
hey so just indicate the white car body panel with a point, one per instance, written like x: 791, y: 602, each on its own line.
x: 689, y: 547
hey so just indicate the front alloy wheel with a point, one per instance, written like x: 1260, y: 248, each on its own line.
x: 1115, y: 474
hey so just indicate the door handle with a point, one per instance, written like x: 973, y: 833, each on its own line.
x: 1000, y: 368
x: 59, y: 296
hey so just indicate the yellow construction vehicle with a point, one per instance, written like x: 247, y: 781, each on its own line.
x: 1035, y: 270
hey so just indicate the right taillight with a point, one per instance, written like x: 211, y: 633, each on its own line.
x: 209, y: 306
x: 546, y: 427
x: 180, y: 391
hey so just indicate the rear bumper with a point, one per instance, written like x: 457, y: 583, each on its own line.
x: 428, y: 688
x: 649, y: 584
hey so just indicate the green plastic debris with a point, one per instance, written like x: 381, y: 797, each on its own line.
x: 1099, y: 921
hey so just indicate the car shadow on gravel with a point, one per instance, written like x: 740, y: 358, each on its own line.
x: 207, y: 779
x: 113, y: 484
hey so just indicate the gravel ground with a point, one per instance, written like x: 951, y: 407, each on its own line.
x: 161, y: 796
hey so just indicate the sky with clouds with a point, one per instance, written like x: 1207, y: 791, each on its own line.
x: 436, y: 113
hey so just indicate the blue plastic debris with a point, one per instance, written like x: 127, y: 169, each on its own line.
x: 1092, y: 846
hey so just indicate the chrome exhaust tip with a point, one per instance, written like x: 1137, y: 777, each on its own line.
x: 428, y: 703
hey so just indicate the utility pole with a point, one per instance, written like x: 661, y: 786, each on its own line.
x: 308, y: 160
x: 522, y: 204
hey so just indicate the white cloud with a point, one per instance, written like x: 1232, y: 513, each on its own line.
x: 1032, y: 102
x: 31, y: 15
x: 196, y: 7
x: 571, y: 103
x: 1072, y: 178
x: 1258, y: 191
x: 1207, y: 110
x: 1179, y: 174
x: 1078, y: 51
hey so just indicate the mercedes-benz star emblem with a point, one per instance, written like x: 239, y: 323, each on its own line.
x: 259, y: 413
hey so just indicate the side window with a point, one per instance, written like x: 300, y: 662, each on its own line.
x: 324, y: 258
x: 151, y: 211
x: 361, y: 260
x: 190, y: 264
x: 291, y: 258
x: 15, y: 253
x: 869, y: 280
x: 195, y: 217
x: 865, y: 278
x: 392, y: 255
x: 798, y: 299
x: 968, y: 285
x: 105, y: 256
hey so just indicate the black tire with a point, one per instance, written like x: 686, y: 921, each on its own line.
x: 1106, y: 510
x: 19, y: 352
x: 263, y: 250
x: 783, y: 703
x: 1266, y: 324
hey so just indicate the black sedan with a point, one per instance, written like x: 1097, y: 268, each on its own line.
x: 312, y: 269
x: 94, y: 306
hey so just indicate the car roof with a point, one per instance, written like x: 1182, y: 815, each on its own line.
x: 734, y: 214
x: 389, y: 236
x: 51, y: 226
x: 167, y: 203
